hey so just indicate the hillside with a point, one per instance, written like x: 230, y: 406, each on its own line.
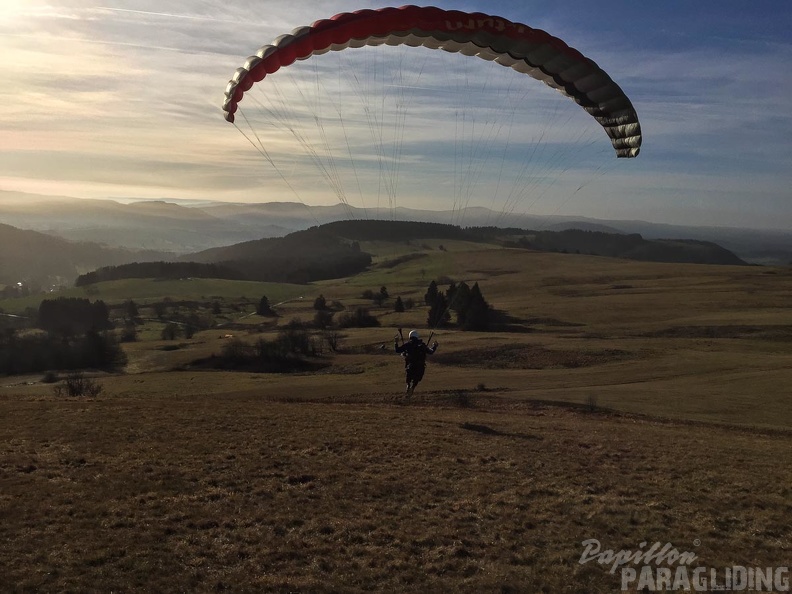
x: 189, y: 226
x: 331, y: 250
x: 630, y: 246
x: 300, y: 257
x: 37, y: 258
x: 154, y: 225
x: 617, y: 412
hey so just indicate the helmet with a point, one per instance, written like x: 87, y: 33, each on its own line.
x: 414, y: 335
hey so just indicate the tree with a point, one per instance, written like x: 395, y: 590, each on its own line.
x: 431, y: 294
x: 320, y: 303
x: 131, y: 312
x: 398, y: 306
x: 171, y: 331
x: 438, y: 312
x: 478, y: 311
x: 378, y: 298
x: 384, y: 293
x: 323, y: 319
x: 263, y: 308
x: 459, y: 301
x: 72, y: 316
x: 450, y: 291
x: 101, y: 350
x: 160, y: 309
x: 129, y: 333
x: 360, y: 318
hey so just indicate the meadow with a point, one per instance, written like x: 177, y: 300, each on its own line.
x: 627, y: 402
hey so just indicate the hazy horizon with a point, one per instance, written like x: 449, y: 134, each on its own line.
x: 457, y: 220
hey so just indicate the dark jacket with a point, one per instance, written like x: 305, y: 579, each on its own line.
x: 414, y: 352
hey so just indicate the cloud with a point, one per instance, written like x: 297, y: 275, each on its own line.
x: 125, y: 97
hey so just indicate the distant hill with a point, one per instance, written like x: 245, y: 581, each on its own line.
x: 303, y: 256
x: 32, y: 257
x: 153, y: 225
x: 584, y: 226
x: 395, y: 230
x: 630, y: 246
x: 331, y: 251
x: 192, y: 226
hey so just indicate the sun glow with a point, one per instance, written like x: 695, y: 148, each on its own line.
x: 10, y: 9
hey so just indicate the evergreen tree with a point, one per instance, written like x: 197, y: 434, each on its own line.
x: 72, y: 316
x: 101, y: 350
x: 438, y: 312
x: 398, y: 306
x: 160, y: 309
x: 431, y: 294
x: 131, y: 312
x: 450, y: 293
x: 263, y: 308
x: 460, y: 302
x: 384, y: 293
x: 478, y: 311
x: 320, y: 303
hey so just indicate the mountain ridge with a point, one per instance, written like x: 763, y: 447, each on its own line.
x: 186, y: 227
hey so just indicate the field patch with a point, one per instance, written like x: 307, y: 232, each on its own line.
x: 782, y: 333
x: 527, y: 356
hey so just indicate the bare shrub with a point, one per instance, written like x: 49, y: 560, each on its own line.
x: 50, y: 377
x: 76, y: 384
x: 333, y: 339
x: 361, y: 318
x: 171, y: 331
x: 322, y: 319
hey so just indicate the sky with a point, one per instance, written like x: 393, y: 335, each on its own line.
x: 122, y: 99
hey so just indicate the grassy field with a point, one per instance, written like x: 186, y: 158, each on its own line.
x: 631, y: 402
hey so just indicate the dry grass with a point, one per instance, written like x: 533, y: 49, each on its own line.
x: 246, y: 493
x: 331, y: 482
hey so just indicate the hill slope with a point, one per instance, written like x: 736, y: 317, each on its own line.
x: 333, y: 251
x: 600, y: 243
x: 300, y: 257
x: 630, y: 246
x: 154, y: 225
x: 33, y: 257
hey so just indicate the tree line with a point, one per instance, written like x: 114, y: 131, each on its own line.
x: 472, y: 311
x: 167, y: 270
x: 33, y: 353
x: 74, y: 334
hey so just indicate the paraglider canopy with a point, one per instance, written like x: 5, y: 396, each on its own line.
x: 520, y: 47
